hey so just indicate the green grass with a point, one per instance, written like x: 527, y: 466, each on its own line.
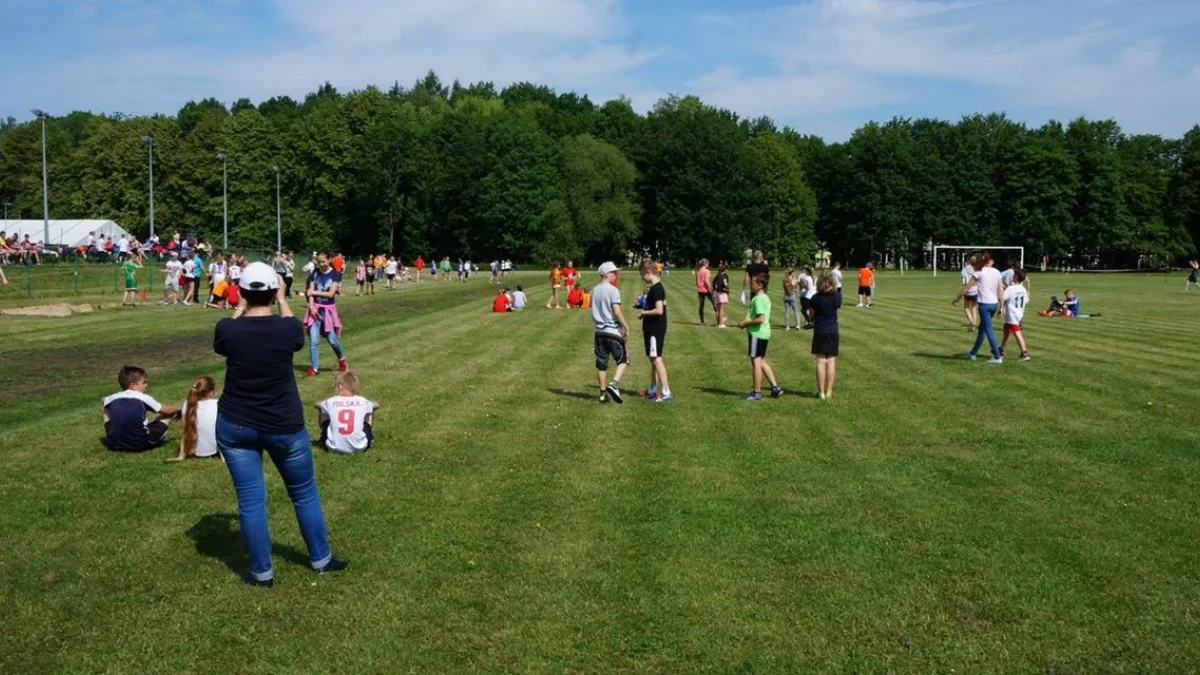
x: 936, y: 516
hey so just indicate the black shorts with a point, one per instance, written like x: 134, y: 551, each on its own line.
x: 758, y: 347
x: 362, y: 282
x: 805, y: 304
x: 610, y: 345
x: 654, y: 343
x: 825, y: 344
x: 864, y: 290
x: 156, y: 433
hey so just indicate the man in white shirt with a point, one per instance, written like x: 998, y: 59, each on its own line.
x: 171, y: 270
x: 837, y: 275
x: 123, y: 245
x: 346, y: 418
x: 1015, y: 299
x: 519, y: 300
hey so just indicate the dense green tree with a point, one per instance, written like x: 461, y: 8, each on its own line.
x: 531, y: 173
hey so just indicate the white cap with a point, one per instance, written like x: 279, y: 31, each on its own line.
x: 607, y: 268
x: 259, y: 276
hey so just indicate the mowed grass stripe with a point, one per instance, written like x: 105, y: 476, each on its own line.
x: 884, y: 530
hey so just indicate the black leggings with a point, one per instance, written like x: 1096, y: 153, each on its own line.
x: 287, y: 282
x: 703, y: 297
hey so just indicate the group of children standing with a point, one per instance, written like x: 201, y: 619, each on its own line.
x: 612, y: 331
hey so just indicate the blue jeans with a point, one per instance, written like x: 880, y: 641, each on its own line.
x: 985, y: 330
x: 314, y: 344
x: 242, y: 447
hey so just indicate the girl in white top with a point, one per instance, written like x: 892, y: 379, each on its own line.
x: 199, y: 437
x: 969, y: 293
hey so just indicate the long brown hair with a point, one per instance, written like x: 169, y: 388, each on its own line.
x: 202, y: 388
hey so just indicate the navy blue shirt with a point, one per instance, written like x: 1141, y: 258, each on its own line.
x: 127, y: 410
x: 260, y: 386
x: 825, y: 307
x: 323, y: 281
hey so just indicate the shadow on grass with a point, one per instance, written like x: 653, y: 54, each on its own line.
x: 721, y: 392
x: 217, y: 537
x: 941, y: 357
x: 571, y: 394
x: 739, y: 394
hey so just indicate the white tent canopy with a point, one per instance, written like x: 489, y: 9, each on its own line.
x: 70, y: 233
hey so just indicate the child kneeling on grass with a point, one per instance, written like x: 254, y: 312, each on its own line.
x: 346, y: 417
x: 758, y: 335
x: 125, y: 426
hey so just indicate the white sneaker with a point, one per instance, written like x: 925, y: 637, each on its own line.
x: 995, y: 362
x: 969, y: 355
x: 860, y: 305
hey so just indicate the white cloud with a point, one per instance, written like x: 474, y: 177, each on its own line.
x: 568, y: 44
x: 1079, y: 56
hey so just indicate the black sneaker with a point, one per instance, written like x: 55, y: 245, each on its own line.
x: 334, y: 565
x: 249, y: 579
x: 776, y: 392
x: 614, y: 393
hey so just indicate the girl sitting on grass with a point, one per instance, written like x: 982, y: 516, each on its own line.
x: 199, y: 437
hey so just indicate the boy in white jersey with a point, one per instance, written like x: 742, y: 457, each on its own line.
x: 346, y: 417
x: 1015, y: 299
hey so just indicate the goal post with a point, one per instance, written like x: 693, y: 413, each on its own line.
x: 940, y: 247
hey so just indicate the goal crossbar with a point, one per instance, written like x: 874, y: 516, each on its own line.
x: 976, y: 248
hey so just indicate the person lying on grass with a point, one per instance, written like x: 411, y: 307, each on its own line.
x: 124, y: 414
x: 199, y: 437
x: 1067, y: 309
x: 346, y: 417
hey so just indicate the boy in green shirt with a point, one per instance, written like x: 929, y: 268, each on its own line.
x: 758, y: 332
x: 130, y: 267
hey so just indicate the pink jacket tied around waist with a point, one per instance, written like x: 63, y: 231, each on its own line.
x: 328, y: 316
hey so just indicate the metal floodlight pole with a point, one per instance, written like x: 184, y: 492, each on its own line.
x: 224, y: 199
x: 41, y: 115
x: 150, y: 144
x: 278, y: 214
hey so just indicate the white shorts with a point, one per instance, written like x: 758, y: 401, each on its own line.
x: 171, y: 285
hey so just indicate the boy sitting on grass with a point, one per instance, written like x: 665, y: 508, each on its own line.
x: 346, y: 417
x: 124, y: 414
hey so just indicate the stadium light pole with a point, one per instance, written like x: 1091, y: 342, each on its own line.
x: 278, y: 213
x: 150, y: 145
x: 224, y: 198
x: 41, y: 115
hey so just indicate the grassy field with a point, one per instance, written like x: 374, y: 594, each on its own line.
x: 936, y: 516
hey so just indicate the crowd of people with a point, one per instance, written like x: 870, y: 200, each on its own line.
x: 259, y: 409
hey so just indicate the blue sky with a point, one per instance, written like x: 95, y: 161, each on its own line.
x: 821, y: 66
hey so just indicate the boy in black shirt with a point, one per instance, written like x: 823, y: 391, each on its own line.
x: 654, y: 331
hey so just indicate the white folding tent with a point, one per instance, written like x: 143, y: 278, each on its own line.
x: 70, y: 233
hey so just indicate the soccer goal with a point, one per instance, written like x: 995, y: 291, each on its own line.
x: 973, y: 249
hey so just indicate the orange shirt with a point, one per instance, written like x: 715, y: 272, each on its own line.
x: 556, y: 277
x: 865, y: 277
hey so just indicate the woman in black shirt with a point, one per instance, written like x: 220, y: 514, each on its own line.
x: 260, y: 410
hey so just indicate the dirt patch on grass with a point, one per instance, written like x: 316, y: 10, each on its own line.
x: 56, y: 310
x: 64, y: 368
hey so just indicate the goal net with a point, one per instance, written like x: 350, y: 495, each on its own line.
x: 955, y: 256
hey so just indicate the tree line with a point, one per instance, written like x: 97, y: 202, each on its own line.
x: 533, y: 175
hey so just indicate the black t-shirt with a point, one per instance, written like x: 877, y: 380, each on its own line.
x: 756, y: 268
x: 260, y: 387
x: 655, y: 324
x: 721, y: 283
x: 825, y: 307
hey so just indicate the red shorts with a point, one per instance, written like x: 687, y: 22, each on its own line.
x: 1012, y: 328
